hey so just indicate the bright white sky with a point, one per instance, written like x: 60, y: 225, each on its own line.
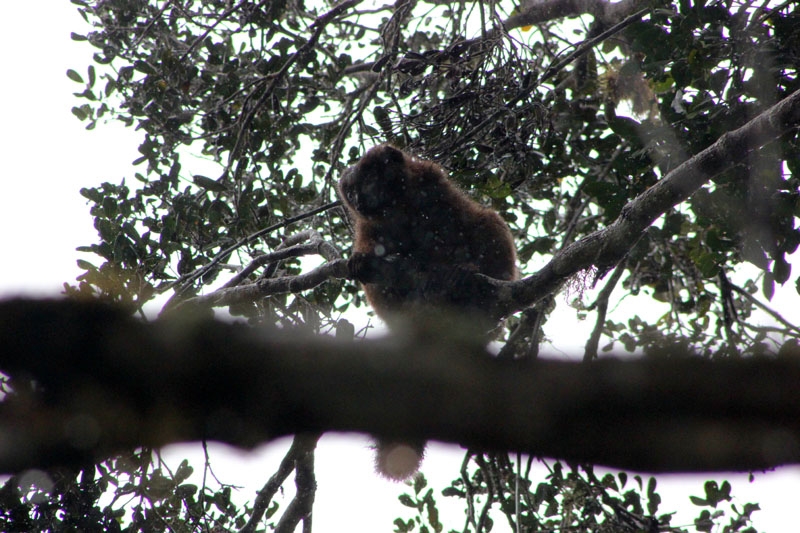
x: 48, y: 156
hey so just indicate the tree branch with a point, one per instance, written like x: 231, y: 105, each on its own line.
x: 532, y: 12
x: 302, y: 445
x: 270, y: 286
x: 184, y: 282
x: 771, y: 312
x: 601, y: 304
x: 89, y: 381
x: 606, y: 247
x: 232, y: 292
x: 302, y: 504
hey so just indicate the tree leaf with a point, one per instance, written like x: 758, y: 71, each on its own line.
x: 208, y: 183
x: 74, y: 76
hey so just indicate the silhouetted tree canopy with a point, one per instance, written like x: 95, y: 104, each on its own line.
x: 641, y: 152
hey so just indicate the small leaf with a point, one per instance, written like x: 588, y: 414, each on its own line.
x: 80, y: 113
x: 86, y: 265
x: 74, y: 76
x: 91, y: 194
x: 700, y: 502
x: 653, y: 498
x: 768, y: 285
x: 402, y: 526
x: 651, y: 486
x: 185, y: 491
x: 419, y: 483
x: 406, y: 500
x: 208, y: 183
x: 781, y: 270
x: 707, y: 265
x: 704, y: 522
x: 144, y: 67
x: 77, y: 37
x: 725, y: 491
x: 111, y: 86
x: 749, y: 508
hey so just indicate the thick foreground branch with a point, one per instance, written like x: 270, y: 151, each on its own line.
x: 90, y: 381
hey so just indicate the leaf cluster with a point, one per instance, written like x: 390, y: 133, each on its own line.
x: 567, y: 498
x: 147, y: 497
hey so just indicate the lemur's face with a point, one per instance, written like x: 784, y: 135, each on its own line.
x: 375, y: 185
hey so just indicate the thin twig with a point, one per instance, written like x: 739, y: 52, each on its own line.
x: 225, y: 14
x: 319, y: 26
x: 774, y: 314
x: 146, y: 30
x: 269, y: 287
x: 601, y: 303
x: 289, y: 248
x: 189, y: 278
x: 469, y: 492
x: 552, y: 70
x: 585, y: 46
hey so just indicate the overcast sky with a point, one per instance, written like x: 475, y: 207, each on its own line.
x: 48, y: 156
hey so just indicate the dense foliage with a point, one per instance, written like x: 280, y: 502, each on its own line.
x: 249, y: 110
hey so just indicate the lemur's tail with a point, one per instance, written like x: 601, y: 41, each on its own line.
x: 397, y: 460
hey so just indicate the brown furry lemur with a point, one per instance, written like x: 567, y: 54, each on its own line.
x: 407, y: 212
